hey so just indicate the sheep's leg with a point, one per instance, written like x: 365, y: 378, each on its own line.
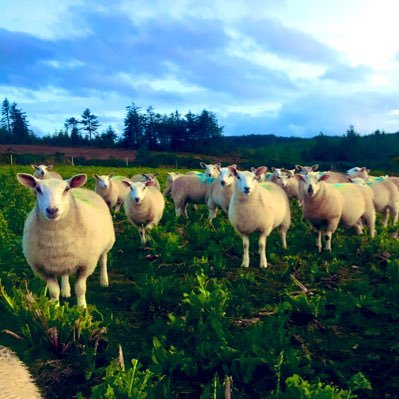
x: 245, y: 244
x: 212, y: 210
x: 65, y: 287
x: 142, y: 235
x: 103, y: 269
x: 395, y: 214
x: 185, y: 211
x: 386, y: 217
x: 262, y: 251
x: 118, y: 206
x: 80, y: 289
x: 359, y: 228
x: 369, y: 220
x: 283, y: 234
x: 53, y: 289
x: 318, y: 240
x: 331, y: 227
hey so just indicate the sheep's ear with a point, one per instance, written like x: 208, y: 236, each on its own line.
x: 49, y: 167
x: 27, y: 180
x: 324, y: 177
x: 368, y: 170
x: 97, y: 177
x: 155, y: 174
x: 149, y: 183
x: 233, y: 170
x: 111, y: 175
x: 299, y: 167
x: 260, y: 171
x: 77, y: 181
x: 127, y: 183
x: 315, y: 167
x: 33, y: 166
x: 253, y: 169
x: 218, y: 166
x: 300, y: 177
x: 234, y: 165
x: 349, y: 179
x: 273, y: 168
x: 203, y: 165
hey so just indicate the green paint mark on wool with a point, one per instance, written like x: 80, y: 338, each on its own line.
x: 205, y: 179
x: 81, y: 196
x: 118, y: 177
x: 267, y: 187
x: 341, y: 186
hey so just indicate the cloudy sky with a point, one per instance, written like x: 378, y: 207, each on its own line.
x: 288, y: 67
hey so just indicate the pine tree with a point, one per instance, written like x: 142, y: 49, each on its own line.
x: 75, y: 137
x: 133, y: 132
x: 19, y: 125
x: 90, y: 124
x: 6, y: 116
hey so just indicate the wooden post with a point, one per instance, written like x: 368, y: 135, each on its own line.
x: 72, y: 162
x: 127, y: 162
x: 11, y: 158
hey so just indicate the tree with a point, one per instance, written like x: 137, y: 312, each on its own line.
x: 90, y: 124
x: 152, y: 129
x: 133, y: 132
x: 75, y: 138
x: 19, y: 125
x: 108, y: 138
x: 6, y: 116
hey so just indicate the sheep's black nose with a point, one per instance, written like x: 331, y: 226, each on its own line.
x: 223, y: 183
x: 137, y: 199
x: 52, y: 212
x: 310, y: 190
x: 246, y: 190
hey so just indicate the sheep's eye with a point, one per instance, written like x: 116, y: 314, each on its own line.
x: 67, y: 189
x: 39, y: 190
x: 238, y: 177
x: 278, y: 177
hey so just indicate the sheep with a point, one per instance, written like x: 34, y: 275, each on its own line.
x: 111, y: 189
x: 289, y: 184
x: 334, y: 177
x: 16, y: 381
x: 145, y: 177
x: 69, y: 230
x: 327, y: 205
x: 193, y: 188
x: 172, y: 176
x: 385, y: 197
x: 220, y: 192
x: 43, y: 172
x: 259, y: 207
x: 144, y: 206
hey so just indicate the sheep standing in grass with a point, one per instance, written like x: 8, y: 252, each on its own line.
x: 68, y: 231
x: 334, y: 177
x: 385, y: 197
x: 220, y: 192
x: 258, y: 207
x: 111, y: 189
x: 325, y: 206
x: 289, y: 184
x: 16, y: 381
x: 144, y: 206
x: 145, y: 177
x: 44, y: 172
x: 193, y: 188
x: 172, y: 176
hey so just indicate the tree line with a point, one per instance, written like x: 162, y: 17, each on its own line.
x: 147, y: 130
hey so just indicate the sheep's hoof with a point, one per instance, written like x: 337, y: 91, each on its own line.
x: 319, y: 249
x: 66, y: 293
x: 264, y: 266
x: 104, y: 283
x: 245, y: 264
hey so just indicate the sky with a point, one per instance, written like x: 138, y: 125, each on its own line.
x: 284, y: 67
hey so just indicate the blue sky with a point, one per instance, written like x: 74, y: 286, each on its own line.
x: 288, y: 67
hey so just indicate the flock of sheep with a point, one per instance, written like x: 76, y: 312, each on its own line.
x: 70, y: 229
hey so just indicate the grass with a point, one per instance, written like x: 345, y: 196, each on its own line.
x: 188, y: 317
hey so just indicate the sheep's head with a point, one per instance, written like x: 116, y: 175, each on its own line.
x: 137, y: 189
x: 40, y: 171
x: 211, y: 170
x: 248, y: 181
x: 358, y: 172
x: 303, y: 170
x: 312, y: 182
x: 52, y: 195
x: 226, y: 177
x: 277, y: 171
x: 103, y: 181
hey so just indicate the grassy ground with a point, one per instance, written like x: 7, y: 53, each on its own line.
x: 310, y: 326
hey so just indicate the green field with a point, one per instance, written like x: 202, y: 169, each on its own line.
x: 187, y: 316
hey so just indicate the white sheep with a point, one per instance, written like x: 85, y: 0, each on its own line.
x: 289, y: 184
x: 258, y: 207
x: 220, y: 192
x: 69, y: 230
x: 385, y: 197
x: 111, y: 189
x: 145, y: 177
x: 334, y: 177
x: 43, y: 172
x: 325, y: 206
x: 16, y: 381
x: 193, y: 188
x: 144, y: 206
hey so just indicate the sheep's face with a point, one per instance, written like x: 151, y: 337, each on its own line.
x: 41, y: 170
x: 52, y: 195
x: 226, y: 177
x: 247, y: 182
x: 358, y: 172
x: 312, y: 182
x: 303, y: 170
x: 138, y: 190
x: 103, y: 181
x: 277, y: 171
x: 211, y: 170
x: 282, y: 180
